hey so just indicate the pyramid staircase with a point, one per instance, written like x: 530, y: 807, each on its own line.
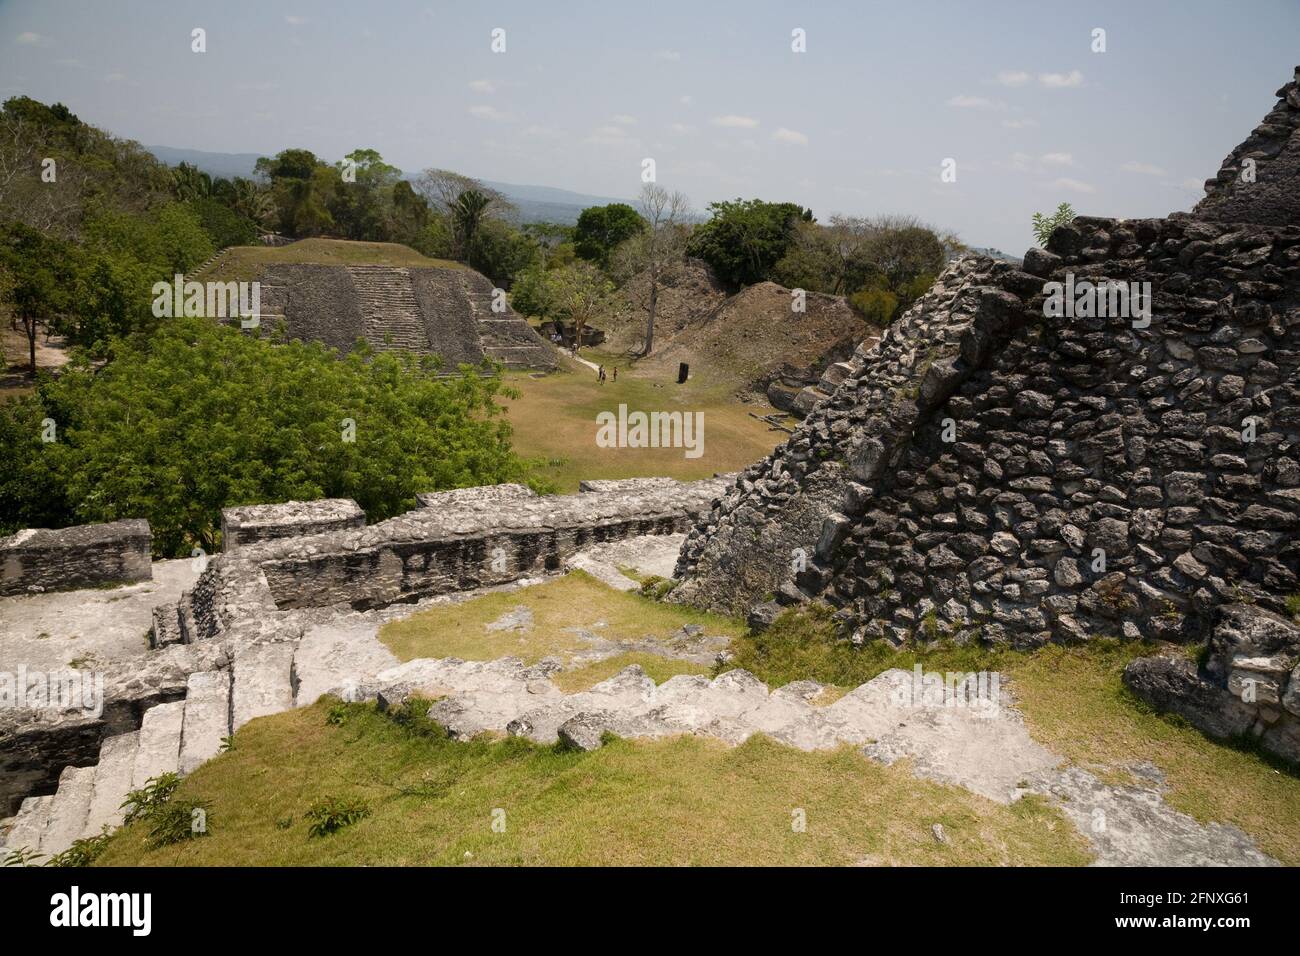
x: 505, y: 337
x: 391, y: 316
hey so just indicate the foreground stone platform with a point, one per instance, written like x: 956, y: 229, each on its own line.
x: 251, y: 523
x: 88, y: 555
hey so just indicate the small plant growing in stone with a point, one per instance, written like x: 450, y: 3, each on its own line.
x: 142, y: 803
x: 83, y: 852
x: 333, y: 814
x: 337, y: 715
x: 174, y: 822
x: 22, y: 856
x: 657, y: 588
x: 1293, y: 605
x: 1044, y: 226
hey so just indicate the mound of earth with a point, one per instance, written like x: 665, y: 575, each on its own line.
x: 686, y: 299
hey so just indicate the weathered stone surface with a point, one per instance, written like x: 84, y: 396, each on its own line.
x: 41, y: 559
x: 261, y: 682
x: 113, y: 777
x: 251, y: 523
x: 159, y: 746
x: 68, y: 810
x: 1259, y: 181
x: 207, y: 718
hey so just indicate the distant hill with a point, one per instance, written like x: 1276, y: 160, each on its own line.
x: 535, y: 203
x: 225, y: 165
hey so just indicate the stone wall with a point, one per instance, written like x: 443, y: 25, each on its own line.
x: 1270, y: 192
x: 42, y: 559
x: 1001, y: 470
x: 249, y: 523
x: 965, y: 480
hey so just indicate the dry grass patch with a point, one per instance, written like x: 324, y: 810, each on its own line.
x: 559, y: 607
x: 245, y: 263
x: 554, y: 422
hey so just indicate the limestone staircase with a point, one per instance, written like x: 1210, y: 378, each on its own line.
x: 391, y: 316
x: 505, y: 337
x: 173, y: 738
x: 985, y: 749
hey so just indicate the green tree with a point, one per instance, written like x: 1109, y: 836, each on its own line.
x: 198, y: 416
x: 501, y: 252
x: 745, y: 238
x: 602, y: 229
x: 467, y: 214
x: 579, y: 293
x: 37, y: 280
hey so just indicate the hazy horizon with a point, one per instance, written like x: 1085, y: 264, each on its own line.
x: 858, y: 124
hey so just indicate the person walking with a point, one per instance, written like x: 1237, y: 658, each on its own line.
x: 616, y: 373
x: 600, y: 375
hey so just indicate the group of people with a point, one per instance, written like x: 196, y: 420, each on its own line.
x: 600, y: 374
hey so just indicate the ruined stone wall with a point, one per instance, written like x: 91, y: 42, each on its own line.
x: 1259, y: 182
x: 41, y: 559
x: 1068, y: 435
x: 249, y: 523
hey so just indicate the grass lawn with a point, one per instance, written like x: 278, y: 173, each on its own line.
x: 559, y: 607
x: 684, y: 800
x: 245, y: 263
x: 690, y: 800
x: 555, y: 422
x: 1075, y: 703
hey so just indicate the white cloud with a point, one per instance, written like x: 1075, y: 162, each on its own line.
x: 31, y: 39
x: 686, y: 100
x: 611, y: 136
x: 1013, y: 78
x: 114, y: 77
x: 976, y: 103
x: 542, y: 132
x: 681, y: 129
x: 295, y: 21
x: 1018, y: 123
x: 668, y: 55
x: 735, y: 122
x: 1058, y: 81
x: 790, y: 137
x: 1057, y: 159
x: 482, y: 86
x: 1074, y: 185
x: 622, y: 119
x: 1142, y: 169
x: 483, y: 111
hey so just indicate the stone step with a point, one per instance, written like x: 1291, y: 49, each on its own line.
x: 69, y: 809
x: 29, y: 825
x: 207, y: 718
x: 160, y: 743
x: 262, y: 683
x: 113, y: 777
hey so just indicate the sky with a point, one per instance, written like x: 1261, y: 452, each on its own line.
x: 860, y: 123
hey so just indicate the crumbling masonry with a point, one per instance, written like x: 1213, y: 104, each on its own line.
x: 990, y: 472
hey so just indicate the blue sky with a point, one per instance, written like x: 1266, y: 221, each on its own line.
x: 859, y: 124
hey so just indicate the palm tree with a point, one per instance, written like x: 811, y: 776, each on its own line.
x: 467, y: 214
x: 191, y: 182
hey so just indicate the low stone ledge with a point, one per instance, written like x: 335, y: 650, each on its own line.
x: 247, y: 524
x: 460, y: 496
x: 89, y: 555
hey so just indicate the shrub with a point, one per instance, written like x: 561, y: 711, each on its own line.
x: 1044, y: 226
x: 333, y: 814
x: 83, y: 852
